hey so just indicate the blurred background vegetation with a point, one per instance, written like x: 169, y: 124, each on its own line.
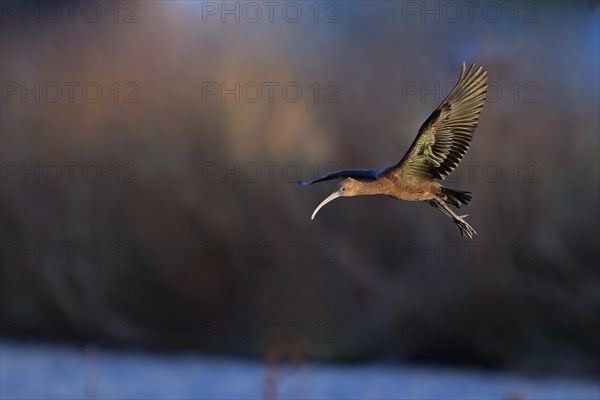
x: 198, y: 258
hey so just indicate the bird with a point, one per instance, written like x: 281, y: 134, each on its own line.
x: 440, y: 145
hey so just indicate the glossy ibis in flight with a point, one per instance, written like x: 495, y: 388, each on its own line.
x: 439, y: 147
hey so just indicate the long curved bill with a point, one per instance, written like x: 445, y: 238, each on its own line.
x: 331, y: 197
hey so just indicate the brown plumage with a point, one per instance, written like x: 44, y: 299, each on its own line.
x: 438, y: 148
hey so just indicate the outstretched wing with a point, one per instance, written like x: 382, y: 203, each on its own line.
x: 445, y: 137
x: 358, y: 174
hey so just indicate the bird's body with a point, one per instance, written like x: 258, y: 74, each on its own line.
x: 438, y: 148
x: 401, y: 188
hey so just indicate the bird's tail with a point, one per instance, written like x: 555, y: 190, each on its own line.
x: 456, y: 197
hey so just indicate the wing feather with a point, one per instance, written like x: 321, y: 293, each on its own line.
x: 445, y: 136
x: 358, y: 174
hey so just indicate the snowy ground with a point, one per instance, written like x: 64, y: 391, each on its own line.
x: 44, y: 372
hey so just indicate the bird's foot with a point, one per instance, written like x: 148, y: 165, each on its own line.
x: 465, y: 229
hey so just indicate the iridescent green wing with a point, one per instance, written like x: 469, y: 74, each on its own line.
x: 445, y: 137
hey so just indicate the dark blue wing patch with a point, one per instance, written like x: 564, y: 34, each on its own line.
x: 358, y: 174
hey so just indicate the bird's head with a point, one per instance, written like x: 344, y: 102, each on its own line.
x: 347, y: 188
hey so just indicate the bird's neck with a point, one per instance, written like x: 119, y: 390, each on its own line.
x: 371, y: 188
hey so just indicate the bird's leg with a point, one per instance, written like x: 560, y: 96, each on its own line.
x: 465, y: 228
x: 435, y: 204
